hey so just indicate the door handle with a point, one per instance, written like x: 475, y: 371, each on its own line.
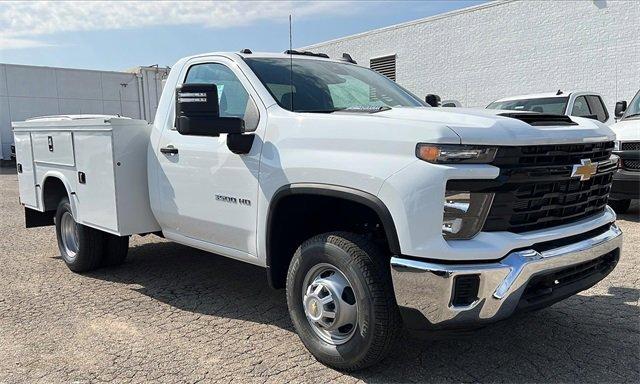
x: 169, y: 150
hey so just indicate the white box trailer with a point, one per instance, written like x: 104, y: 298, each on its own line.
x: 103, y: 162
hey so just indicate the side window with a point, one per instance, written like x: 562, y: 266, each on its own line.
x: 233, y: 99
x: 580, y: 107
x: 597, y: 107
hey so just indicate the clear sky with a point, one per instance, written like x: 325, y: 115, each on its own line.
x: 123, y: 34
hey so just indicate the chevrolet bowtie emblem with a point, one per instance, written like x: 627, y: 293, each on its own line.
x: 584, y: 170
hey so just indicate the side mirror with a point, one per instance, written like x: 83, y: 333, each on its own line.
x: 198, y: 112
x: 621, y: 106
x: 432, y: 100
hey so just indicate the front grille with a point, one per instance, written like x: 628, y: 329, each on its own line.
x: 535, y: 189
x: 630, y: 146
x: 632, y: 165
x: 562, y: 154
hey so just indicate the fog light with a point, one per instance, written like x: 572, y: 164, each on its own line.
x: 464, y: 213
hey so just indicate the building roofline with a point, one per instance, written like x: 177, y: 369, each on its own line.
x: 126, y: 72
x: 427, y: 19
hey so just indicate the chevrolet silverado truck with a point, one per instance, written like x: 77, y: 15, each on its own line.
x: 373, y: 210
x: 572, y: 103
x: 626, y: 182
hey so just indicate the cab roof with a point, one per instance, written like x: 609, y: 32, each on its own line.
x: 545, y: 95
x: 246, y: 55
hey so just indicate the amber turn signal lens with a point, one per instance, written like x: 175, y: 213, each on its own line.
x: 452, y: 153
x: 428, y: 153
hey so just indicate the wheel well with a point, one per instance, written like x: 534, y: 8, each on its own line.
x: 301, y: 214
x: 53, y: 190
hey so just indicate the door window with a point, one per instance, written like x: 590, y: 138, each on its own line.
x: 597, y: 107
x: 233, y: 99
x: 580, y: 107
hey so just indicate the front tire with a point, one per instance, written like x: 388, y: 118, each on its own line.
x: 81, y: 247
x: 341, y: 301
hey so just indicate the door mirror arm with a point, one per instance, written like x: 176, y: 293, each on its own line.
x: 240, y: 144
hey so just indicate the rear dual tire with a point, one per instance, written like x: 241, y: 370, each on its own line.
x: 84, y: 248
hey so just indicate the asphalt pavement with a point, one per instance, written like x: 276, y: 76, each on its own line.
x: 174, y: 314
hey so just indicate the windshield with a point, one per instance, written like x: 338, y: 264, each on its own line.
x: 325, y: 86
x: 551, y: 105
x: 633, y: 110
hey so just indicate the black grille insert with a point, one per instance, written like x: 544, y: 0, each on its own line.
x: 542, y: 286
x: 633, y: 165
x: 630, y: 146
x: 465, y: 290
x: 535, y: 189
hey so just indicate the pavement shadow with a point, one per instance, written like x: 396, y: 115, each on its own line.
x: 585, y: 338
x: 200, y: 282
x: 8, y: 169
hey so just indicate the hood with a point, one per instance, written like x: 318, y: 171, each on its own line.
x: 484, y: 126
x: 627, y: 130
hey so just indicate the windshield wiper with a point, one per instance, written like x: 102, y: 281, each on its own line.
x: 367, y: 109
x: 349, y: 109
x: 631, y: 115
x: 319, y: 110
x: 378, y: 109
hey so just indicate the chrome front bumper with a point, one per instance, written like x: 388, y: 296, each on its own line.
x: 426, y: 289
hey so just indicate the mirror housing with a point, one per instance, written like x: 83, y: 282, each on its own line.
x: 621, y: 107
x: 198, y: 112
x: 432, y: 100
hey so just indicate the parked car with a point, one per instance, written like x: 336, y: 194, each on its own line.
x: 581, y: 104
x: 371, y: 209
x: 626, y: 182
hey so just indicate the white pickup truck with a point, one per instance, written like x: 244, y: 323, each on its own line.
x: 371, y: 208
x: 626, y: 182
x: 571, y: 103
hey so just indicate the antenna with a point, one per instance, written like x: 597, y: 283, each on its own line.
x: 291, y: 64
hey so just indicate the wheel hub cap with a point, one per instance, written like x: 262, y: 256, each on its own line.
x: 69, y: 235
x: 329, y: 304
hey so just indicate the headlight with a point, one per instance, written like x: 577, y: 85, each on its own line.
x: 464, y: 214
x: 452, y: 154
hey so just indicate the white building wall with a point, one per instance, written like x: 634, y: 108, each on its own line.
x: 483, y: 53
x: 29, y: 91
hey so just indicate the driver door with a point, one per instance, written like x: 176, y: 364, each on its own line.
x: 209, y: 194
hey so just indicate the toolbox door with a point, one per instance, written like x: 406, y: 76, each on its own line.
x: 95, y: 184
x: 24, y: 164
x: 53, y: 148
